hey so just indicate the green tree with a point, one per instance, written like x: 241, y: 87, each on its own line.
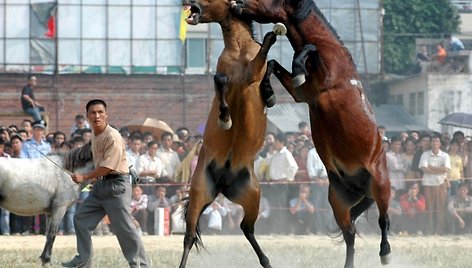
x: 406, y: 20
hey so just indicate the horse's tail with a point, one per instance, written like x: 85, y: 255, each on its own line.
x: 198, y: 238
x: 335, y: 232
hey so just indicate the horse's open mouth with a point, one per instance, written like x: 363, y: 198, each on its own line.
x: 193, y: 12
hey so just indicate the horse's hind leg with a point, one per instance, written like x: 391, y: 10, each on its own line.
x: 52, y: 226
x: 249, y: 198
x: 201, y: 194
x: 342, y: 215
x: 381, y: 193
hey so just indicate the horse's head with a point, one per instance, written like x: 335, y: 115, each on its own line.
x: 204, y: 11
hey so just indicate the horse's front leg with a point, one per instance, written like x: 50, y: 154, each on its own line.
x: 221, y: 87
x: 381, y: 193
x: 52, y: 226
x: 257, y: 64
x: 285, y: 78
x: 299, y: 65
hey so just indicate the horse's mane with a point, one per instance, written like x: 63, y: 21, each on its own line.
x: 304, y: 9
x: 78, y: 157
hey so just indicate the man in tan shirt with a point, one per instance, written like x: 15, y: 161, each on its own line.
x: 111, y: 194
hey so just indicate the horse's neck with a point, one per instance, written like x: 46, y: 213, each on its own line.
x: 236, y: 33
x: 338, y: 66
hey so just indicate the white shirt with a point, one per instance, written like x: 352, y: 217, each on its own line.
x: 396, y: 170
x: 441, y: 159
x: 314, y: 165
x: 282, y: 165
x: 132, y: 157
x: 146, y: 162
x: 170, y: 159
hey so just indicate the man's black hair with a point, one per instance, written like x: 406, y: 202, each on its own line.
x: 79, y: 116
x: 95, y: 102
x: 166, y: 134
x: 57, y: 133
x: 395, y: 138
x: 281, y: 137
x: 182, y: 128
x: 16, y: 136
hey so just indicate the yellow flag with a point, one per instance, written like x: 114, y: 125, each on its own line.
x: 183, y: 24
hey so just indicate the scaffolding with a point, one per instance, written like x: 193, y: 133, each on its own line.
x: 131, y: 36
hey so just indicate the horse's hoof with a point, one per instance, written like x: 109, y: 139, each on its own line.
x: 385, y: 259
x: 270, y: 101
x: 298, y: 80
x: 45, y: 262
x: 225, y: 125
x: 279, y: 29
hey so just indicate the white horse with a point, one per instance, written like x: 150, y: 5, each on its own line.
x: 37, y: 186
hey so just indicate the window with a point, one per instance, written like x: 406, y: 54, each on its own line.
x: 399, y: 100
x: 196, y: 56
x: 412, y: 104
x: 420, y: 110
x: 93, y: 36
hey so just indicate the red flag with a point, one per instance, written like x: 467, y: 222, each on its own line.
x: 51, y: 33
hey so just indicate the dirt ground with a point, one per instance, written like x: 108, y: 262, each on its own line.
x: 175, y: 241
x: 284, y: 251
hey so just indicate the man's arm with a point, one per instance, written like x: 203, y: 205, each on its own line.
x: 29, y: 99
x: 435, y: 170
x: 97, y: 172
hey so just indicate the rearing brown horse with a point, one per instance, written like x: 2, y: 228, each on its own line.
x: 236, y: 124
x: 343, y: 124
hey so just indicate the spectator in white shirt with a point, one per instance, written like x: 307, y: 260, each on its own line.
x: 170, y: 159
x: 395, y: 165
x: 435, y: 165
x: 132, y: 154
x: 282, y: 168
x: 149, y: 166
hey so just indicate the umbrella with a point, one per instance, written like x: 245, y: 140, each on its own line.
x: 457, y: 120
x: 156, y: 127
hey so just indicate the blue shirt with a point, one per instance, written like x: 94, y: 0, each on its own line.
x: 456, y: 44
x: 31, y: 149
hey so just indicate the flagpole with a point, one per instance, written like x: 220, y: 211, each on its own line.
x: 183, y: 56
x: 56, y: 63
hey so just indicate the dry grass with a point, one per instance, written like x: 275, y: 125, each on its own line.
x: 235, y: 251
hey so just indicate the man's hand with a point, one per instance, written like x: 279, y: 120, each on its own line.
x: 77, y: 178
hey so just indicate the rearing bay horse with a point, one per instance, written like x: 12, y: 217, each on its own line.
x: 343, y: 124
x: 236, y: 124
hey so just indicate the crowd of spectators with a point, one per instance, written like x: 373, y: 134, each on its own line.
x: 429, y: 175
